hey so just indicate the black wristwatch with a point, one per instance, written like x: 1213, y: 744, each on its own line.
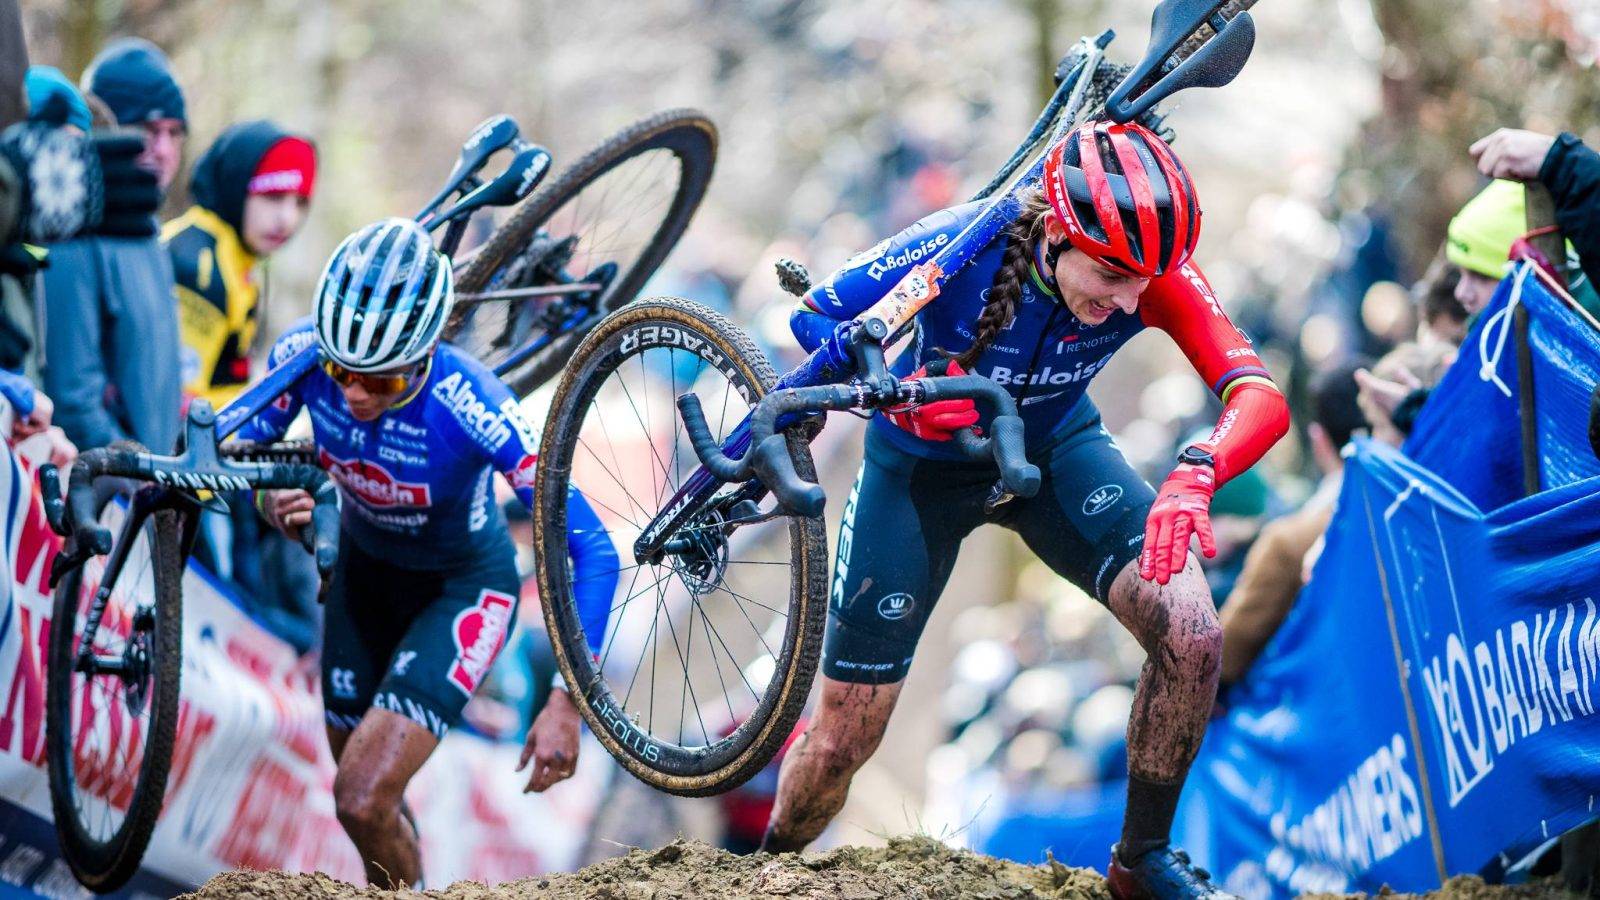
x: 1197, y: 456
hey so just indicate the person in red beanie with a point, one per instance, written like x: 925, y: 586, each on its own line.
x: 251, y: 188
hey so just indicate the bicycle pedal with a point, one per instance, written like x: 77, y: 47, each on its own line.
x: 793, y: 277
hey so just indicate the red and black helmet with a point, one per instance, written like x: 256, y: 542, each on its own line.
x: 1125, y: 198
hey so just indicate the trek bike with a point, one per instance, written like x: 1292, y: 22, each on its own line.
x: 672, y: 422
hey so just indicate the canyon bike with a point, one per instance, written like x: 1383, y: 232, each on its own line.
x: 130, y: 518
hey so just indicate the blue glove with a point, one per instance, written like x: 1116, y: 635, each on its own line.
x: 18, y: 391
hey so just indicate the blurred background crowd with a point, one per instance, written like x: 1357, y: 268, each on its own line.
x: 1331, y: 173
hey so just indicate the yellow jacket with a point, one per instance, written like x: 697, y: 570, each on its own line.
x: 217, y: 294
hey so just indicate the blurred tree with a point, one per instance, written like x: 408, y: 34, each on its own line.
x: 1450, y: 74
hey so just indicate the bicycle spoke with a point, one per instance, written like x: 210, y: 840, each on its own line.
x: 687, y: 681
x: 605, y: 653
x: 727, y: 695
x: 717, y: 580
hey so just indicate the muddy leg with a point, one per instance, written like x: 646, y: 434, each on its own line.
x: 816, y: 773
x: 376, y: 763
x: 1177, y: 626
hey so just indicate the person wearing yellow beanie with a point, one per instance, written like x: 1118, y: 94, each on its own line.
x: 1480, y: 238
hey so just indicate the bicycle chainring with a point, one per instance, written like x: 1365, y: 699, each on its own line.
x: 541, y: 263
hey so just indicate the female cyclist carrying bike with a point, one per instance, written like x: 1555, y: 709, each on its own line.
x: 425, y: 588
x: 1100, y: 251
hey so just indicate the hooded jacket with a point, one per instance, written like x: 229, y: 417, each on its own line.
x: 217, y: 277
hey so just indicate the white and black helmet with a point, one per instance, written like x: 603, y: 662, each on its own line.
x: 384, y: 298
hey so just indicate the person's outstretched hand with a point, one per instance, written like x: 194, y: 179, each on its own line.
x: 552, y: 743
x: 1512, y: 154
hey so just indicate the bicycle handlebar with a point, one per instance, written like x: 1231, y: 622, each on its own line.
x: 768, y: 456
x: 198, y: 467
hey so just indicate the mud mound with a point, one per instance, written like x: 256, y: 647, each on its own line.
x: 908, y: 869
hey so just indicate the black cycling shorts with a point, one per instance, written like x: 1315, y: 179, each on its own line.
x: 414, y: 642
x: 906, y: 517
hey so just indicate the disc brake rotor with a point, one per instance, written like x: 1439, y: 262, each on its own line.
x: 700, y: 556
x: 136, y: 657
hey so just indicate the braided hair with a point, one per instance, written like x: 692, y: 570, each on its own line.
x: 1006, y: 291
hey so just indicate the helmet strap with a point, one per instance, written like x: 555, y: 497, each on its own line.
x: 1045, y: 255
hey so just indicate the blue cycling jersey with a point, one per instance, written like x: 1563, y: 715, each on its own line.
x: 1045, y: 356
x: 415, y: 482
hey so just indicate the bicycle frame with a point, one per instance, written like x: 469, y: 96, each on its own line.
x: 258, y: 396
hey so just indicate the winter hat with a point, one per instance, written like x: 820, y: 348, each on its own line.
x: 135, y: 80
x: 55, y: 100
x: 289, y: 167
x: 223, y: 173
x: 1480, y: 236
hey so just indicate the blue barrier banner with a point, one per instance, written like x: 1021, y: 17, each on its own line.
x: 1485, y: 463
x: 1428, y: 707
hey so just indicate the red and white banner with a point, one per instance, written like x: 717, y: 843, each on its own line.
x: 251, y: 781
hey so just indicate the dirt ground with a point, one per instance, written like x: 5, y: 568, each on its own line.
x: 908, y: 869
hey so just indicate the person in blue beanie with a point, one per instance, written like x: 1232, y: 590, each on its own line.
x: 134, y: 79
x: 53, y: 99
x: 111, y: 343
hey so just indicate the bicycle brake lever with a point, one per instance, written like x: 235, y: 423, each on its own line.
x: 324, y: 529
x: 55, y: 508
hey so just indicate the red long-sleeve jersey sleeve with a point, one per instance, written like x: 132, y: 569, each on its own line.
x: 1254, y: 414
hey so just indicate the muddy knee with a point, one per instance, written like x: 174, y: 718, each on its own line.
x: 362, y: 809
x: 839, y: 756
x: 1195, y: 643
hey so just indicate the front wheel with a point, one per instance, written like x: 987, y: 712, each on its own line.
x: 711, y: 645
x: 109, y: 730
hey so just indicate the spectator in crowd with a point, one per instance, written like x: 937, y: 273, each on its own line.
x: 1271, y: 576
x: 1441, y: 318
x: 1489, y: 232
x: 1392, y: 393
x: 55, y: 100
x: 251, y: 189
x: 1480, y: 238
x: 111, y: 335
x: 44, y: 169
x: 53, y: 103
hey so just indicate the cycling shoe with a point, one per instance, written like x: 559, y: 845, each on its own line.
x: 1164, y: 873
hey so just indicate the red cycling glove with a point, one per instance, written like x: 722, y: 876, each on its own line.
x: 936, y: 421
x: 1182, y: 508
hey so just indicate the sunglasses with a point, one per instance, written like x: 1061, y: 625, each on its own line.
x: 374, y: 383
